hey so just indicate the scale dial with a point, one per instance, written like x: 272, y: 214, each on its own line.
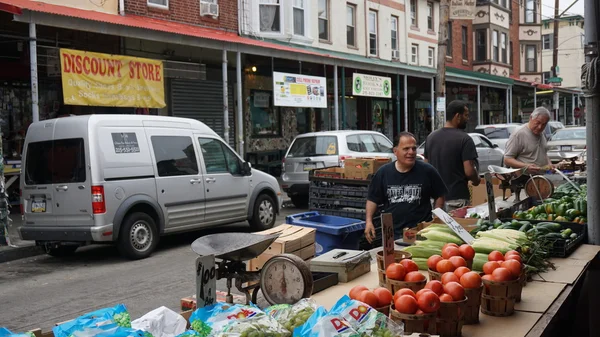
x: 544, y: 186
x: 285, y: 279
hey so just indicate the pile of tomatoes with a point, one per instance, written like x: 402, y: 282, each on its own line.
x: 377, y: 298
x: 453, y: 257
x: 503, y: 268
x: 407, y: 271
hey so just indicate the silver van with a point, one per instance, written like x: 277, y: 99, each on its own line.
x: 129, y: 179
x: 327, y: 149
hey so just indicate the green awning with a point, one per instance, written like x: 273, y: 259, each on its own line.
x: 476, y: 77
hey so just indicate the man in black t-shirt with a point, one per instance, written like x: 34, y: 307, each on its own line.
x: 452, y: 152
x: 404, y: 188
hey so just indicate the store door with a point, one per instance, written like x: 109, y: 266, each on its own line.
x: 203, y: 101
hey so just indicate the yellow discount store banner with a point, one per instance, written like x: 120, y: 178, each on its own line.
x: 111, y: 80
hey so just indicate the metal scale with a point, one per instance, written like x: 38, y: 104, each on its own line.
x: 284, y: 279
x: 537, y: 187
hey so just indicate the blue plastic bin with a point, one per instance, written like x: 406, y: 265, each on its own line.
x: 332, y: 231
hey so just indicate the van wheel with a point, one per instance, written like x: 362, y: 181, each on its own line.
x: 138, y: 237
x: 264, y: 213
x: 60, y: 251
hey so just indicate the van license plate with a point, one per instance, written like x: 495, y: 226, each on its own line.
x: 308, y: 167
x: 38, y: 207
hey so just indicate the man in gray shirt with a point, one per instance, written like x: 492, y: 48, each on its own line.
x: 527, y: 146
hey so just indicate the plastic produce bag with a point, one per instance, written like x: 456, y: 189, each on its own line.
x: 292, y: 316
x: 161, y: 322
x: 117, y: 314
x: 322, y: 324
x: 210, y: 320
x: 104, y: 318
x: 366, y: 320
x: 105, y: 331
x: 189, y: 333
x: 257, y: 326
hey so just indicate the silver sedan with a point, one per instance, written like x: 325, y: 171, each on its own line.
x: 566, y: 143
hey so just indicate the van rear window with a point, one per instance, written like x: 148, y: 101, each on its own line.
x: 60, y: 161
x: 314, y: 146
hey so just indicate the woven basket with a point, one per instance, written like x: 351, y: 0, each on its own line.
x: 415, y: 323
x: 499, y: 298
x: 450, y: 318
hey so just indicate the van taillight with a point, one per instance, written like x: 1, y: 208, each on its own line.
x: 21, y: 202
x: 98, y: 203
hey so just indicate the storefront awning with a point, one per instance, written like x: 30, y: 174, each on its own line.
x: 20, y: 8
x: 477, y: 78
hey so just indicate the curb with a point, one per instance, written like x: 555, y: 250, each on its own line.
x: 11, y: 254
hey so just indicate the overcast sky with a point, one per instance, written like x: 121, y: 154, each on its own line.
x: 548, y: 7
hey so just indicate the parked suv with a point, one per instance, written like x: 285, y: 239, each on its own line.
x: 327, y: 149
x: 130, y: 179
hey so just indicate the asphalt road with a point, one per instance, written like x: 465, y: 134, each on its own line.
x: 40, y: 291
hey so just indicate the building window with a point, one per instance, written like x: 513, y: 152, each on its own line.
x: 465, y: 43
x: 449, y: 40
x: 351, y: 25
x: 503, y: 3
x: 159, y: 3
x: 510, y: 52
x: 264, y: 116
x: 413, y: 13
x: 430, y: 16
x: 531, y: 59
x: 372, y: 33
x: 324, y: 20
x: 503, y: 47
x: 495, y: 49
x: 547, y: 25
x: 480, y: 50
x: 530, y: 11
x: 414, y: 53
x: 394, y: 32
x: 299, y: 17
x: 270, y: 16
x: 431, y: 56
x: 545, y: 76
x: 547, y: 41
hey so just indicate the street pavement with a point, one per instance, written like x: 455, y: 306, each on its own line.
x: 38, y: 292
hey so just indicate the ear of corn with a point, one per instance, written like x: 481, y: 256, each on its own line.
x: 430, y: 243
x: 508, y: 235
x: 443, y: 237
x: 436, y: 227
x: 487, y: 245
x: 422, y: 251
x: 421, y: 262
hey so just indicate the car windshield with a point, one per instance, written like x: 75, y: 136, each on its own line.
x: 569, y: 134
x: 493, y: 132
x: 314, y: 146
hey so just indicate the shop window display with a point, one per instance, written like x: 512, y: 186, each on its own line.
x: 265, y: 117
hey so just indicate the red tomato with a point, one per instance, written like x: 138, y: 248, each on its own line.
x: 409, y: 265
x: 406, y: 304
x: 470, y: 280
x: 450, y: 251
x: 435, y: 286
x: 421, y: 292
x: 488, y: 278
x: 460, y: 271
x: 429, y: 302
x: 513, y: 257
x: 495, y: 256
x: 354, y: 292
x: 384, y: 297
x: 367, y: 297
x: 444, y: 266
x: 432, y: 261
x: 449, y: 245
x: 414, y: 276
x: 458, y: 261
x: 512, y: 252
x: 513, y: 266
x: 449, y: 277
x: 404, y: 291
x: 420, y: 312
x: 455, y: 290
x: 489, y: 267
x: 395, y: 271
x: 467, y: 252
x: 446, y: 298
x: 502, y: 275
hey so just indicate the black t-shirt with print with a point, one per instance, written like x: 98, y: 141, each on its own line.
x: 406, y: 195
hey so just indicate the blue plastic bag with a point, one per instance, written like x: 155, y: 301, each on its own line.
x: 209, y: 320
x: 103, y: 319
x: 190, y: 333
x: 118, y: 314
x: 366, y: 320
x: 4, y: 332
x: 323, y: 324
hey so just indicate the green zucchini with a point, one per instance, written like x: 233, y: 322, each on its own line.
x: 525, y: 227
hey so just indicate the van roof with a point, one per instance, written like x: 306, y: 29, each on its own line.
x: 127, y: 120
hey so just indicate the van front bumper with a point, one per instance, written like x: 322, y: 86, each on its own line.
x: 83, y: 234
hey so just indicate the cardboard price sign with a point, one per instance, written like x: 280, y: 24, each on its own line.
x: 387, y: 234
x: 206, y: 281
x: 455, y: 226
x: 490, y: 196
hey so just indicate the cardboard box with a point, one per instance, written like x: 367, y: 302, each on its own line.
x: 257, y: 263
x: 361, y: 168
x: 331, y: 172
x: 479, y: 193
x: 291, y: 239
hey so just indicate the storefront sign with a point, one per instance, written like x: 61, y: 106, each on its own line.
x: 300, y: 91
x: 372, y: 86
x: 462, y: 9
x: 111, y: 80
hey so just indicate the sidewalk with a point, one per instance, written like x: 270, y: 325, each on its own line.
x: 18, y: 249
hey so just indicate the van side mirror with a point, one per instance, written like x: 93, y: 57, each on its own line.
x: 495, y: 145
x: 247, y: 168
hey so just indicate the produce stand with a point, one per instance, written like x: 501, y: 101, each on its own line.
x: 547, y: 305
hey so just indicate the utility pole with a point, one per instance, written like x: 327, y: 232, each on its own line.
x: 591, y: 87
x: 440, y: 85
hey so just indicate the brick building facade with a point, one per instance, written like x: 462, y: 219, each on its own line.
x: 187, y: 11
x: 456, y: 58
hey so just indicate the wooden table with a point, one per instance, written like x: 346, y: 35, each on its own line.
x: 547, y: 307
